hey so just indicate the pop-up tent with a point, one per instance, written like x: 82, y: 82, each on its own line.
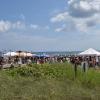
x: 11, y: 54
x: 89, y: 52
x: 24, y: 54
x: 19, y: 54
x: 28, y: 54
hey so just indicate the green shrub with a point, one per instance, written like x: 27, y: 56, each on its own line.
x: 58, y: 70
x: 50, y: 82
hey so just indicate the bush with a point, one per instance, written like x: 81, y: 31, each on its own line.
x: 89, y: 79
x: 49, y: 81
x: 24, y: 72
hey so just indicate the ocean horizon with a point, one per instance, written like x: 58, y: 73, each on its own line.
x: 58, y: 52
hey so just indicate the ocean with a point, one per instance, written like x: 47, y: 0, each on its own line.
x: 62, y: 53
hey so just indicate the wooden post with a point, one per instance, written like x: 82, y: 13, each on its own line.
x: 84, y: 67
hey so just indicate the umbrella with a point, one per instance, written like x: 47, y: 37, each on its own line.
x: 21, y: 53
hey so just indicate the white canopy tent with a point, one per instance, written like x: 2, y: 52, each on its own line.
x: 24, y: 54
x: 29, y: 54
x: 10, y: 54
x: 89, y: 52
x: 20, y: 54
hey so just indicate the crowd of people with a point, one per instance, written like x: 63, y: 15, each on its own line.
x: 34, y: 59
x: 88, y: 61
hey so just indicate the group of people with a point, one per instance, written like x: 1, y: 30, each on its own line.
x: 88, y: 61
x: 34, y: 59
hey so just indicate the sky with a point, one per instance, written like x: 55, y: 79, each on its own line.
x: 49, y: 25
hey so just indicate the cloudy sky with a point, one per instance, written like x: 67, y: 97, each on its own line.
x: 49, y: 25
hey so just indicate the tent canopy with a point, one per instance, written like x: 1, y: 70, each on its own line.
x: 19, y: 53
x: 90, y: 51
x: 24, y: 54
x: 11, y: 54
x: 29, y: 54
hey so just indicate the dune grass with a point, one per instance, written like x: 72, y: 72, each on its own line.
x: 49, y: 82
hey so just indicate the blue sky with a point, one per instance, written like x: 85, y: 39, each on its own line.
x: 49, y: 25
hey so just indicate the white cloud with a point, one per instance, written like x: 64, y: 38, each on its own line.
x: 60, y: 17
x: 18, y: 25
x: 34, y: 26
x: 8, y: 25
x: 83, y: 8
x: 38, y: 27
x: 82, y: 15
x: 4, y: 26
x: 58, y: 29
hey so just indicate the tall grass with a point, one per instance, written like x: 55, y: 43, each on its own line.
x: 49, y: 82
x: 58, y: 71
